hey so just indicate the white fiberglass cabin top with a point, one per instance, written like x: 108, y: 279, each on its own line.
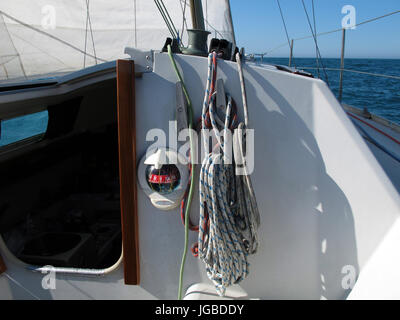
x: 327, y: 207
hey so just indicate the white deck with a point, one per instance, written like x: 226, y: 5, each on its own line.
x: 389, y: 164
x: 380, y: 278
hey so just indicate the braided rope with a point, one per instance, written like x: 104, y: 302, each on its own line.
x: 243, y: 88
x: 229, y: 215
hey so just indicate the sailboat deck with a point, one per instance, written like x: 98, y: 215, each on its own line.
x: 385, y: 143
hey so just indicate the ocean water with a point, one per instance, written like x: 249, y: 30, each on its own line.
x: 23, y: 127
x: 381, y: 96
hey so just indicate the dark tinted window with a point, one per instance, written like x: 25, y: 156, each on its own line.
x: 20, y: 128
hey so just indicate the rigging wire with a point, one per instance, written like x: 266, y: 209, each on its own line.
x: 91, y: 31
x: 274, y: 49
x: 316, y: 43
x: 284, y: 24
x: 332, y: 31
x: 41, y: 50
x: 88, y: 21
x: 167, y: 18
x: 14, y: 49
x: 50, y: 36
x: 5, y: 69
x: 315, y: 31
x: 135, y: 13
x: 356, y: 71
x: 86, y: 32
x: 184, y: 22
x: 358, y: 24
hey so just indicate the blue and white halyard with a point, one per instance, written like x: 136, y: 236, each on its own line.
x: 229, y: 215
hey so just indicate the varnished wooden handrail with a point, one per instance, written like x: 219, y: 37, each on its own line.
x: 3, y: 267
x: 127, y: 169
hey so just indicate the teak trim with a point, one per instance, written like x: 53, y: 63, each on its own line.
x: 127, y: 169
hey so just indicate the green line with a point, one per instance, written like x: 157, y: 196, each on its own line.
x: 190, y: 196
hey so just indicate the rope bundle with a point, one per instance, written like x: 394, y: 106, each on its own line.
x: 229, y: 215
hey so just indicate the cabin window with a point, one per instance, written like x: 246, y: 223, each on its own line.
x: 23, y: 127
x: 60, y: 203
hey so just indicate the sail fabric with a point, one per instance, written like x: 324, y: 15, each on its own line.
x: 43, y: 37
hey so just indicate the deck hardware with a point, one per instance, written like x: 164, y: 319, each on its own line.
x: 143, y: 59
x: 163, y: 176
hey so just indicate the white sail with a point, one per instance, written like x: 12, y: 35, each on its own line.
x: 42, y: 37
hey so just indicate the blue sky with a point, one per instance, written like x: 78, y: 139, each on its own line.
x: 259, y: 28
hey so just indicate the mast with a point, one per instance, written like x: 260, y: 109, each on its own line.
x: 198, y: 35
x: 196, y: 10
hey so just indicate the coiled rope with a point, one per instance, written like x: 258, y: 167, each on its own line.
x: 229, y: 215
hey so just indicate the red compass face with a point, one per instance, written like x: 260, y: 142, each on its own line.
x: 164, y: 180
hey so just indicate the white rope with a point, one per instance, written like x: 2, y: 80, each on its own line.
x: 243, y: 182
x: 228, y: 209
x: 243, y: 88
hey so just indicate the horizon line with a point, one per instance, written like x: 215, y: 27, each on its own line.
x: 311, y: 57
